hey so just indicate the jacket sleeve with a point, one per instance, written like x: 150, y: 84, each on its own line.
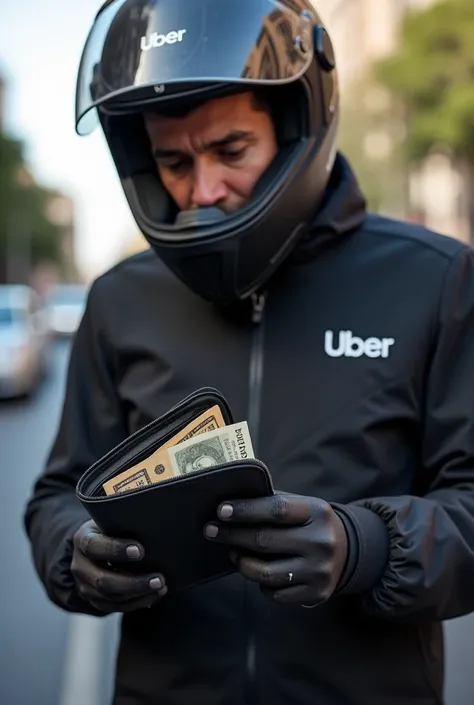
x: 417, y: 561
x: 91, y: 424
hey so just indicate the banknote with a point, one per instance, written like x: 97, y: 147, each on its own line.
x: 213, y: 448
x: 157, y: 467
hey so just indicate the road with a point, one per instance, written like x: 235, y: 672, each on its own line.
x: 47, y: 657
x: 50, y: 658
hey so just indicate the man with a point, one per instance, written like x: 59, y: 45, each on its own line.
x: 346, y: 340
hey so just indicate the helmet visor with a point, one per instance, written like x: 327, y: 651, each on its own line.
x: 143, y: 50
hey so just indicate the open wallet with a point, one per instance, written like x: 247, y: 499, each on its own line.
x: 168, y: 517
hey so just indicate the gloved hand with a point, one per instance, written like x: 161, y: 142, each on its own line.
x: 99, y: 582
x: 295, y: 547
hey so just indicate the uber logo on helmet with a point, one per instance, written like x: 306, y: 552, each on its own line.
x: 349, y: 345
x: 155, y: 40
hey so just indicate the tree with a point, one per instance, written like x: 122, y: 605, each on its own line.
x: 369, y: 136
x: 432, y: 76
x: 26, y: 232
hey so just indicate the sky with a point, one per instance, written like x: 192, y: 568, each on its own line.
x: 40, y: 48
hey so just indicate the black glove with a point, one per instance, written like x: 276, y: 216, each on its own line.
x: 295, y: 547
x: 104, y: 586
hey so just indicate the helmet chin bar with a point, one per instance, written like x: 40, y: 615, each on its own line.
x: 198, y: 217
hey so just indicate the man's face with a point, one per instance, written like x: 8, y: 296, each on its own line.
x: 215, y: 155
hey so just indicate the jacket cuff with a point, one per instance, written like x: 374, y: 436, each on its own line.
x: 368, y: 549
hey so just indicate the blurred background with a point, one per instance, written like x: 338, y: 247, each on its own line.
x: 407, y: 83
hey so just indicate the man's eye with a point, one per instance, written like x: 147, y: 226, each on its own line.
x: 176, y: 167
x: 233, y: 154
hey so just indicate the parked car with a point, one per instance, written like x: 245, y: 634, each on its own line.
x: 23, y: 340
x: 66, y: 304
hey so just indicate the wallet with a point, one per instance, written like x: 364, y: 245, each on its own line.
x: 168, y: 518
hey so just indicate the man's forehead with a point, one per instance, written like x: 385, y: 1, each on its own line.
x: 208, y: 128
x: 210, y: 121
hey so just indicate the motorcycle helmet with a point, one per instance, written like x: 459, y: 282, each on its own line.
x: 144, y: 55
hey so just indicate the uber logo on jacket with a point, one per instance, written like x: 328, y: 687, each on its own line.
x: 346, y: 344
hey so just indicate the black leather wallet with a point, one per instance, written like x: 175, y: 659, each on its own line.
x: 168, y: 518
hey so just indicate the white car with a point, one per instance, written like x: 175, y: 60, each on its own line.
x: 23, y: 340
x: 66, y: 305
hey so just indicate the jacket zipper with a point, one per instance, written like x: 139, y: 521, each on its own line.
x: 255, y: 398
x: 256, y: 367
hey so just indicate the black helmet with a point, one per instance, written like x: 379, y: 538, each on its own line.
x: 141, y: 53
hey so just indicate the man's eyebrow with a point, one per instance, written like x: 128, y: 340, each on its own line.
x: 231, y: 137
x: 234, y: 136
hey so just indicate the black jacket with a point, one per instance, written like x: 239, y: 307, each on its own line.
x: 361, y: 393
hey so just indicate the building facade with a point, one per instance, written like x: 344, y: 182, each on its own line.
x: 363, y: 32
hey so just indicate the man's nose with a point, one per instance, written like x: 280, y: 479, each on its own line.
x: 208, y: 188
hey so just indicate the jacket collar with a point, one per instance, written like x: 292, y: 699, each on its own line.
x: 342, y: 212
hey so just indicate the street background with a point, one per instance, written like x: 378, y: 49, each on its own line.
x: 407, y: 84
